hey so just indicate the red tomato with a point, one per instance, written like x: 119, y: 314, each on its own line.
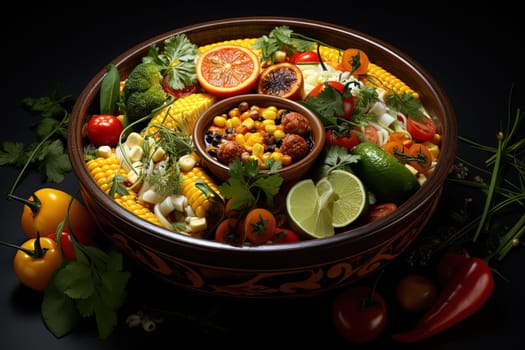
x: 422, y: 129
x: 104, y: 130
x: 335, y: 84
x: 359, y: 315
x: 378, y: 211
x: 303, y: 57
x: 66, y: 244
x: 346, y: 141
x: 285, y: 235
x: 230, y: 231
x: 178, y: 93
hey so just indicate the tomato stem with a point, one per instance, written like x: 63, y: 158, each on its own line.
x: 34, y: 204
x: 36, y: 253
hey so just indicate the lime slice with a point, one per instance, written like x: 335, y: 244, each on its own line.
x: 351, y: 197
x: 326, y: 193
x: 303, y: 209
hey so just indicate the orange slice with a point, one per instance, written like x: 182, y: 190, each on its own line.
x: 227, y: 70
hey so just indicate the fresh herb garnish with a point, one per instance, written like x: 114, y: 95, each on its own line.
x: 494, y: 229
x: 176, y: 61
x: 247, y: 185
x: 48, y: 155
x: 404, y: 103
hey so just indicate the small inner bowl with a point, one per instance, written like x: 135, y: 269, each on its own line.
x: 290, y: 173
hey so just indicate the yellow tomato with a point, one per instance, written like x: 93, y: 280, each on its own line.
x: 47, y: 207
x: 35, y: 266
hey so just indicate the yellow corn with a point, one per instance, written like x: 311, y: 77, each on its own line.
x: 184, y: 110
x: 378, y: 75
x: 199, y: 202
x: 103, y: 170
x: 375, y: 76
x: 247, y: 42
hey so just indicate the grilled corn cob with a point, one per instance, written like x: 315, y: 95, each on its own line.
x: 182, y: 113
x: 200, y: 202
x: 103, y: 170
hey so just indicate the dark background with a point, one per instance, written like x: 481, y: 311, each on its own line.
x: 473, y: 53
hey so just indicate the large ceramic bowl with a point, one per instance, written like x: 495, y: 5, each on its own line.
x: 269, y: 271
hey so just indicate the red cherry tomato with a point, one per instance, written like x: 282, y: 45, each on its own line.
x: 66, y: 244
x: 178, y: 93
x: 335, y: 84
x: 285, y: 235
x: 359, y: 314
x: 104, y: 130
x: 303, y: 57
x: 421, y: 129
x: 347, y: 141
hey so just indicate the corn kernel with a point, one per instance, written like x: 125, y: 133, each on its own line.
x: 219, y: 121
x: 269, y: 113
x: 249, y: 123
x: 277, y: 156
x: 270, y: 128
x: 279, y: 134
x: 258, y: 150
x: 240, y: 139
x: 236, y: 121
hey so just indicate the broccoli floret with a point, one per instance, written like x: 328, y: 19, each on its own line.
x: 143, y: 91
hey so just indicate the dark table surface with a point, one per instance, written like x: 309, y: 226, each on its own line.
x: 473, y: 54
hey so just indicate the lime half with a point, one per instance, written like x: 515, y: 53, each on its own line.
x: 304, y: 212
x: 351, y: 197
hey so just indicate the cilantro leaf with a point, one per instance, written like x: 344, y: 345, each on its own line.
x: 177, y: 60
x: 281, y: 38
x: 246, y: 184
x: 404, y: 103
x: 54, y: 162
x: 13, y: 153
x: 58, y: 311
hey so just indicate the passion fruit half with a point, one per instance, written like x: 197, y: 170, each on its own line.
x: 281, y: 79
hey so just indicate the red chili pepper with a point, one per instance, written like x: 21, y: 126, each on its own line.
x: 466, y: 292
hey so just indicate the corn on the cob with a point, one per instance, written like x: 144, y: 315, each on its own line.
x: 199, y: 201
x: 375, y: 76
x: 246, y: 42
x: 183, y: 112
x: 103, y: 170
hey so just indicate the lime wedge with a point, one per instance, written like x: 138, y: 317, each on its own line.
x: 303, y: 209
x: 351, y: 197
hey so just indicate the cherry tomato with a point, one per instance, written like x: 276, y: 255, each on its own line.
x: 359, y: 314
x: 178, y: 93
x: 415, y: 293
x: 347, y: 141
x: 422, y: 155
x: 259, y: 225
x: 285, y: 235
x: 35, y: 266
x: 422, y: 129
x: 230, y: 231
x: 335, y: 84
x: 104, y: 130
x: 66, y: 243
x: 303, y: 57
x: 378, y: 211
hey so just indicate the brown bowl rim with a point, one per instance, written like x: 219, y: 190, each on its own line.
x: 363, y: 232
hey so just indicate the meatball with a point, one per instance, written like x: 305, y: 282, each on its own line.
x: 295, y: 123
x: 295, y: 146
x: 228, y: 151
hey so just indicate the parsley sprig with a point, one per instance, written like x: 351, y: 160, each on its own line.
x: 176, y: 60
x: 47, y: 155
x: 247, y: 185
